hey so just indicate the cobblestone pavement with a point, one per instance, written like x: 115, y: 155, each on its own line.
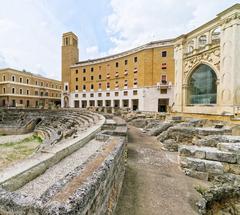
x: 154, y: 183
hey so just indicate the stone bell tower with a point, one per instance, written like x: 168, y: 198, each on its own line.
x: 70, y: 56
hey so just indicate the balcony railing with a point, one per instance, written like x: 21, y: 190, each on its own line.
x: 163, y: 84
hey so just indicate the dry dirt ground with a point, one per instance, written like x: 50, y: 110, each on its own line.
x: 154, y: 183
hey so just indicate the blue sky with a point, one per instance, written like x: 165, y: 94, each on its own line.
x: 30, y: 30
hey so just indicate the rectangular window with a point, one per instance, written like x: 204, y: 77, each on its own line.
x: 76, y: 71
x: 84, y: 70
x: 164, y: 53
x: 135, y: 92
x: 91, y: 95
x: 76, y: 79
x: 92, y: 78
x: 92, y: 69
x: 135, y: 59
x: 84, y: 95
x: 92, y: 86
x: 125, y: 93
x: 27, y: 92
x: 107, y: 94
x: 84, y: 87
x: 66, y: 88
x: 116, y: 64
x: 76, y: 87
x: 99, y: 77
x: 164, y: 79
x: 99, y: 94
x: 163, y: 91
x: 84, y: 78
x: 116, y: 93
x: 126, y: 62
x: 76, y: 95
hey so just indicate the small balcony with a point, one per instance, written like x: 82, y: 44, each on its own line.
x: 164, y: 84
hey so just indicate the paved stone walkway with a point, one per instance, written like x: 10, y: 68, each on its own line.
x: 39, y: 185
x: 154, y: 183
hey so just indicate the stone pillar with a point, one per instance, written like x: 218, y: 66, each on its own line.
x: 229, y: 87
x: 178, y: 90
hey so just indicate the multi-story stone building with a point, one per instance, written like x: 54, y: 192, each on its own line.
x: 207, y: 67
x: 24, y: 89
x: 141, y: 78
x: 196, y: 73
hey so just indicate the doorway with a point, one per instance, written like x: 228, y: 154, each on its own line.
x: 163, y: 105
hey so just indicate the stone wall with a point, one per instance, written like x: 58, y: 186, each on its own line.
x: 92, y: 188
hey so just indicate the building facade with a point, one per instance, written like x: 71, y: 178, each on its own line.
x: 139, y: 79
x: 198, y: 72
x: 207, y: 67
x: 24, y: 89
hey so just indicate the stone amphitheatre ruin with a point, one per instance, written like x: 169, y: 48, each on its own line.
x: 46, y: 183
x: 79, y: 166
x: 73, y: 161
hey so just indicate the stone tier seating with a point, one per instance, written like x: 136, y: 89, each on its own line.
x: 51, y: 126
x: 206, y: 162
x: 80, y: 190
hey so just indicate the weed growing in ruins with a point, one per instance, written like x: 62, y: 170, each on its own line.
x: 15, y: 151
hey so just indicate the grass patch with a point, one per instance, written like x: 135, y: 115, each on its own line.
x: 200, y: 189
x: 12, y: 152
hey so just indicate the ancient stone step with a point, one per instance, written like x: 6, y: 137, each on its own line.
x: 229, y: 147
x: 208, y: 153
x: 201, y: 165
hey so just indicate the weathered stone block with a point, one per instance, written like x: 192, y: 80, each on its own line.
x: 192, y: 151
x: 221, y: 156
x: 229, y: 147
x: 160, y: 128
x: 234, y: 168
x: 196, y: 174
x: 214, y: 167
x: 193, y: 164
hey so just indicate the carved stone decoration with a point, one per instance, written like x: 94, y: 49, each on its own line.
x: 225, y: 96
x: 237, y: 96
x: 212, y: 57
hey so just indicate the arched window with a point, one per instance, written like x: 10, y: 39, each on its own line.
x: 216, y: 34
x: 202, y: 41
x: 202, y: 86
x: 190, y: 46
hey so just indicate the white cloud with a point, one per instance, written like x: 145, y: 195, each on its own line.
x: 30, y: 37
x: 136, y: 22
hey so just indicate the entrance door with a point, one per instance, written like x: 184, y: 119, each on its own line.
x: 84, y: 104
x: 76, y: 104
x: 163, y: 105
x: 125, y: 103
x: 14, y: 103
x: 116, y: 103
x: 135, y: 104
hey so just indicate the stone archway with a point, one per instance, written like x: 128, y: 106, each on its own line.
x: 202, y: 85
